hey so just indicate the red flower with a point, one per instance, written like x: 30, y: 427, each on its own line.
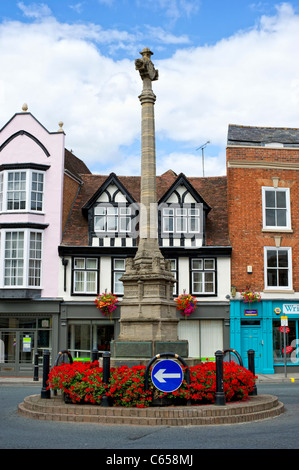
x: 82, y: 381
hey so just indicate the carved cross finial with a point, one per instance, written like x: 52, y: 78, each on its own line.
x: 145, y: 66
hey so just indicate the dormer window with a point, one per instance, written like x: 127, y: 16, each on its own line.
x: 181, y: 220
x: 21, y: 190
x: 112, y: 218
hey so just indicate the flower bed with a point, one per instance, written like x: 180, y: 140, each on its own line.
x: 83, y: 382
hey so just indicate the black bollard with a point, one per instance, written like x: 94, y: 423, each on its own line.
x: 220, y: 396
x: 94, y: 355
x: 106, y: 375
x: 35, y: 373
x: 251, y: 368
x: 46, y: 393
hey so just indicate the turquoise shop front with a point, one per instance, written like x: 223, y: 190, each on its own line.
x: 257, y: 326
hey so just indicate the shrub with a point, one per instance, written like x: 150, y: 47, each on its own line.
x: 127, y: 387
x: 84, y: 382
x: 80, y: 381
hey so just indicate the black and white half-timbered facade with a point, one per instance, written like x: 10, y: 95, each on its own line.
x: 102, y: 231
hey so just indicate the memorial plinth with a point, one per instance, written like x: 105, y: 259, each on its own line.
x: 148, y: 321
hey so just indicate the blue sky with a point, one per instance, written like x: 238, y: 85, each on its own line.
x: 220, y: 62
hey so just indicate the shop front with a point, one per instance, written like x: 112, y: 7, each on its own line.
x: 83, y: 329
x: 258, y: 326
x: 27, y: 330
x: 207, y: 330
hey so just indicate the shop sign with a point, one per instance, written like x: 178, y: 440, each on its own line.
x: 250, y: 313
x: 284, y: 329
x: 26, y: 344
x: 290, y: 308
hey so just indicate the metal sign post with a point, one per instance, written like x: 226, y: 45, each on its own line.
x: 284, y: 324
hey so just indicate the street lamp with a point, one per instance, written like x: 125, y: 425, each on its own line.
x: 202, y: 147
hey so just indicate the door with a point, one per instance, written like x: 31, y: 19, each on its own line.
x: 8, y: 352
x: 251, y: 339
x: 17, y: 352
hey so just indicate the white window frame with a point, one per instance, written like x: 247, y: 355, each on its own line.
x: 117, y: 213
x: 289, y: 268
x: 181, y: 220
x: 28, y: 190
x: 118, y: 272
x: 178, y: 220
x: 25, y: 258
x: 174, y: 272
x: 168, y: 220
x: 84, y: 271
x: 288, y: 209
x: 191, y: 215
x: 35, y: 262
x: 204, y: 270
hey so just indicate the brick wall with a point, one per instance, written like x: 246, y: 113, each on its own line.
x: 245, y: 215
x: 70, y: 188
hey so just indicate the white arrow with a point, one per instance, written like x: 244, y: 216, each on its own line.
x: 160, y: 375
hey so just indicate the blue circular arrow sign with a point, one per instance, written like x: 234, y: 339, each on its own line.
x: 167, y: 375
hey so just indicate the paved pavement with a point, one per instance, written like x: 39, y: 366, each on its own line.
x: 261, y: 378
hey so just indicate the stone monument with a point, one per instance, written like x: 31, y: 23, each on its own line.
x: 148, y: 322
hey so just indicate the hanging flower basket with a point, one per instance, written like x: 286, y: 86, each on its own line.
x: 106, y: 303
x: 250, y: 296
x: 186, y: 304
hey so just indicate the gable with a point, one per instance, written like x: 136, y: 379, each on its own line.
x: 111, y: 191
x: 30, y: 136
x: 182, y: 192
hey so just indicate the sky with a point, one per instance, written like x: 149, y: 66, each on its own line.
x: 220, y: 62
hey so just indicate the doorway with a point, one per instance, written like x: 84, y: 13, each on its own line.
x: 251, y: 339
x: 17, y: 352
x: 19, y: 345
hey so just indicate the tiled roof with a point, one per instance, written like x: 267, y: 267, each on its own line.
x: 74, y: 165
x: 247, y: 135
x: 213, y: 190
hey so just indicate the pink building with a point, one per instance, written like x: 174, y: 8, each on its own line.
x: 32, y: 173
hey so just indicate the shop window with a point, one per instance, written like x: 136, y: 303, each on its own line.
x: 292, y: 342
x: 204, y: 337
x: 85, y: 335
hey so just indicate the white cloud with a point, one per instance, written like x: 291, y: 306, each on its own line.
x: 250, y: 78
x: 191, y: 164
x: 175, y: 9
x: 165, y: 37
x: 35, y: 10
x: 77, y: 7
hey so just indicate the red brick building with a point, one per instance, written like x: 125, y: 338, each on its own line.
x: 263, y: 209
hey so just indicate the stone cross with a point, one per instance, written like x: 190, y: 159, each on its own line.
x: 148, y: 246
x: 148, y: 321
